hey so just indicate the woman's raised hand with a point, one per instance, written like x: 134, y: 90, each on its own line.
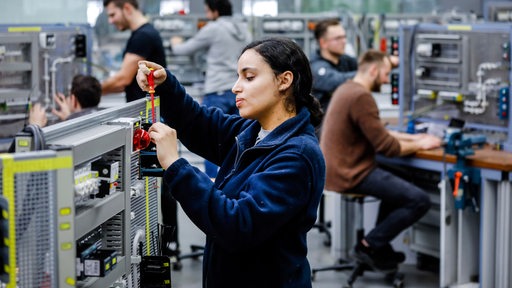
x: 145, y: 67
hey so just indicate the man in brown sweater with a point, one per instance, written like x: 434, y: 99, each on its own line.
x: 352, y: 136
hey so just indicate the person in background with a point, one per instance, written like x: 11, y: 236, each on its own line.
x: 352, y: 135
x: 84, y: 98
x: 144, y: 43
x: 224, y: 38
x: 330, y: 65
x: 265, y: 197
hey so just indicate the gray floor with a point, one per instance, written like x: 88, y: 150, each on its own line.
x: 319, y: 256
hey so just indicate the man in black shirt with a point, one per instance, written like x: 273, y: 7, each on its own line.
x: 144, y: 43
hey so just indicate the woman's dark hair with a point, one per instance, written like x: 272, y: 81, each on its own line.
x: 282, y: 54
x: 222, y: 6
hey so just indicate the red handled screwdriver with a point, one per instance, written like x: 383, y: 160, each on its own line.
x: 151, y: 83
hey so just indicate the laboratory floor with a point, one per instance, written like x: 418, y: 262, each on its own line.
x: 319, y: 255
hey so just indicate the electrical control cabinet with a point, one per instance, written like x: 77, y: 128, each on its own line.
x: 35, y: 63
x: 497, y: 11
x: 79, y: 210
x: 382, y: 31
x: 457, y: 71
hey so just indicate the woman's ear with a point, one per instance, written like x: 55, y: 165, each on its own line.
x: 285, y: 80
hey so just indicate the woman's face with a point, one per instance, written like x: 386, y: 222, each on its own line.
x: 257, y: 94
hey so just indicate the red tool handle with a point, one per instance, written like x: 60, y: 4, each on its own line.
x: 151, y: 83
x: 151, y: 80
x: 457, y: 175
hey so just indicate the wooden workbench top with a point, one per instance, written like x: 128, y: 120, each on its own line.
x: 483, y: 158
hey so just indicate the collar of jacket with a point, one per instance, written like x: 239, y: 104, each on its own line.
x: 280, y: 134
x: 318, y: 57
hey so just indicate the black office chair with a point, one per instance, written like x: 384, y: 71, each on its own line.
x: 358, y: 268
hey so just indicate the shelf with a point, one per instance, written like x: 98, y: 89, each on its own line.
x: 15, y: 67
x: 10, y: 94
x: 90, y: 217
x: 292, y: 35
x: 102, y: 282
x: 91, y: 143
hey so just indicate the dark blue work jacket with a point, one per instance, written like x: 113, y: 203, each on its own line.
x: 265, y: 197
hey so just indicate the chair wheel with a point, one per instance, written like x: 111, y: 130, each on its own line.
x: 313, y: 275
x: 398, y: 283
x: 176, y: 266
x: 327, y: 242
x: 346, y: 285
x: 397, y: 279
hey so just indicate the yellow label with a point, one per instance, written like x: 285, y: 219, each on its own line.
x: 460, y: 28
x: 22, y: 143
x: 65, y: 211
x: 66, y: 246
x: 24, y: 29
x: 70, y: 281
x: 65, y: 226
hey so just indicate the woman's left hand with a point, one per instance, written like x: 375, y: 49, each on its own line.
x: 165, y: 139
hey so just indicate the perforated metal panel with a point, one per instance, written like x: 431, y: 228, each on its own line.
x: 146, y: 215
x: 29, y: 185
x: 35, y: 226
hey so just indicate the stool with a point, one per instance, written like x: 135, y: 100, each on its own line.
x: 343, y: 263
x: 358, y: 268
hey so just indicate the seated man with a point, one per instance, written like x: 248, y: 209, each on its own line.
x: 84, y: 99
x: 352, y: 136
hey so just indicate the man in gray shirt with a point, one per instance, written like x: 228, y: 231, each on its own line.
x: 224, y: 38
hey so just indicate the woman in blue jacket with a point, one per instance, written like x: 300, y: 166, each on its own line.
x: 265, y: 197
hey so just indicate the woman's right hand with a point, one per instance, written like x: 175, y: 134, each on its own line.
x: 159, y: 74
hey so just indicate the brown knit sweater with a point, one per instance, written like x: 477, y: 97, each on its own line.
x: 352, y: 134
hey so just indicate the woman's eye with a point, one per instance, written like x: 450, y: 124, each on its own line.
x: 249, y: 78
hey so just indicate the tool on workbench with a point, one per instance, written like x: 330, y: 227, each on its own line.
x: 466, y: 180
